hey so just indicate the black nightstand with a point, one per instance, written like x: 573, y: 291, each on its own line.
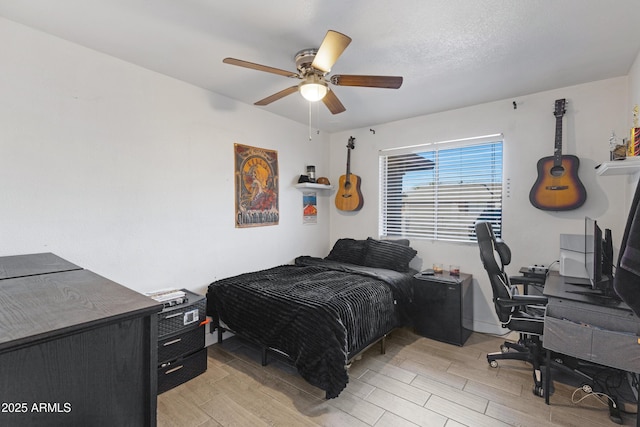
x: 443, y: 307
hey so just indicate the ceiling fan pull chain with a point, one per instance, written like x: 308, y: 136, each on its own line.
x: 310, y: 121
x: 317, y: 104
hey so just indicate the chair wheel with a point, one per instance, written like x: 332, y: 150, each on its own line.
x: 493, y: 363
x: 504, y: 349
x: 538, y: 391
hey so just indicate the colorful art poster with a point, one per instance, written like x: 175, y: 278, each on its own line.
x: 309, y: 208
x: 256, y: 186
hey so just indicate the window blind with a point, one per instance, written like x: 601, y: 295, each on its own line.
x: 439, y: 191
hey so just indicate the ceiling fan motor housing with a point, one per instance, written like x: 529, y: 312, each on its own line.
x: 304, y: 58
x: 313, y: 86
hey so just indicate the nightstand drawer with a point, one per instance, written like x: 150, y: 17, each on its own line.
x: 176, y: 345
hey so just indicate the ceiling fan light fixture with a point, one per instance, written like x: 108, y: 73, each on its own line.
x: 313, y: 67
x: 313, y: 88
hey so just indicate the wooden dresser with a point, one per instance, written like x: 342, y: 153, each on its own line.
x: 75, y: 348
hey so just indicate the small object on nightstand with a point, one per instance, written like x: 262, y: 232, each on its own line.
x: 168, y: 297
x: 438, y: 268
x: 454, y: 270
x: 424, y: 273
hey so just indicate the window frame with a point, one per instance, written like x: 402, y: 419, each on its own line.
x: 401, y: 217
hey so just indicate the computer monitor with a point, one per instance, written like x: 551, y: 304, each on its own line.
x: 607, y: 254
x: 593, y: 251
x: 598, y: 258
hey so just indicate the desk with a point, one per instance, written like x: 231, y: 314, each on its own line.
x: 537, y: 276
x: 79, y: 344
x: 597, y: 330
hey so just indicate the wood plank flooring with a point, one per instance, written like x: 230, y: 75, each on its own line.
x: 418, y: 382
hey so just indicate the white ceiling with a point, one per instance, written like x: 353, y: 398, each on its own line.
x: 451, y: 53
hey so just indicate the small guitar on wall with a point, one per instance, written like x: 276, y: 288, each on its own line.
x: 349, y: 196
x: 558, y: 187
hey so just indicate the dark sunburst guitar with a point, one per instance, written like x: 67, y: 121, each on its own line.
x: 349, y: 196
x: 558, y: 187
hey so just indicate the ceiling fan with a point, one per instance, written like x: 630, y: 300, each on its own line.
x: 313, y: 66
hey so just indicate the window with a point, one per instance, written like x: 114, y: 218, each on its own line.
x: 439, y: 191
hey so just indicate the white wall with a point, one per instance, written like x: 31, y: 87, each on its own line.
x: 634, y: 100
x: 593, y: 111
x: 129, y: 173
x: 634, y: 88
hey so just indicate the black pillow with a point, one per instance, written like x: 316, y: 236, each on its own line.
x: 389, y: 255
x: 348, y: 250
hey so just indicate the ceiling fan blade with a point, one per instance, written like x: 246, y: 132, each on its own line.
x: 333, y: 103
x: 389, y: 82
x: 269, y: 99
x: 253, y: 66
x: 332, y: 46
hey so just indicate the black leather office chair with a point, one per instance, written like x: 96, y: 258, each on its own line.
x: 523, y: 314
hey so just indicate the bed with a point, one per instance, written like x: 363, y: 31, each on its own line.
x: 320, y: 312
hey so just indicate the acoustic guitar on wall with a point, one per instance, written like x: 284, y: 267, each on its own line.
x: 349, y: 196
x: 558, y: 187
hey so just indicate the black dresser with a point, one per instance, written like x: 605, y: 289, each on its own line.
x: 443, y: 307
x: 75, y: 348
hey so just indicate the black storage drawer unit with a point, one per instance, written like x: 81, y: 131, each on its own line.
x: 182, y: 370
x: 181, y: 351
x: 174, y: 346
x: 182, y: 316
x: 443, y: 307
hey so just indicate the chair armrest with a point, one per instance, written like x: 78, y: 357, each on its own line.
x: 531, y: 299
x: 524, y: 280
x: 519, y: 300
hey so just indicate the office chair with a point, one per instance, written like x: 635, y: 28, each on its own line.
x: 523, y: 314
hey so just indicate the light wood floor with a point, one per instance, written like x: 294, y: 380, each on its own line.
x: 417, y: 382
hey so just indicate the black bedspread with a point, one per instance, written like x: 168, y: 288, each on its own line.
x: 317, y: 311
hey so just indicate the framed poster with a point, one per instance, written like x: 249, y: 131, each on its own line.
x: 309, y: 208
x: 256, y: 186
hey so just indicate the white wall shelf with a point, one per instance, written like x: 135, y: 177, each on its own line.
x: 313, y: 186
x: 628, y: 166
